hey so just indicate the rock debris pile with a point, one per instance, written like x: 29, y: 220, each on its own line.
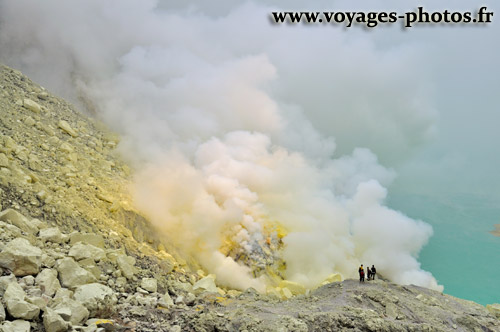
x: 55, y: 281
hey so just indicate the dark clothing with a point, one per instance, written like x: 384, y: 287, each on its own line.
x: 373, y: 272
x: 361, y: 274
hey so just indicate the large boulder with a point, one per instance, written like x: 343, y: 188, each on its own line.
x: 16, y: 326
x: 22, y: 310
x: 21, y: 257
x: 72, y: 275
x: 16, y: 305
x: 5, y: 281
x: 95, y: 297
x: 126, y: 265
x: 82, y: 251
x: 52, y: 322
x: 149, y: 284
x: 52, y: 234
x: 206, y: 284
x: 14, y: 291
x: 48, y: 282
x: 15, y: 218
x: 70, y: 310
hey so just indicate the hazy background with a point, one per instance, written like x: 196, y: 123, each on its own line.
x: 422, y: 100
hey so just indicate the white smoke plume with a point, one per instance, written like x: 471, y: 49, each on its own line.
x: 230, y: 123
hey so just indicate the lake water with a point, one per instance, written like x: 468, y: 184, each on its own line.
x: 462, y: 255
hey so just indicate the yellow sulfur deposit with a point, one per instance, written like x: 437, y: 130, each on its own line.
x: 294, y: 287
x: 335, y: 277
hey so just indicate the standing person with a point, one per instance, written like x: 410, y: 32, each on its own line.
x: 361, y: 274
x: 373, y: 272
x: 368, y: 272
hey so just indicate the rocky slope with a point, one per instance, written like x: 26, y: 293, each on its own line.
x: 76, y: 256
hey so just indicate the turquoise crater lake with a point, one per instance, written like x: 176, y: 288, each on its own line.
x: 462, y: 255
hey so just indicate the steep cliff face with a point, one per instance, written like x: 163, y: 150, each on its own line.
x: 60, y: 166
x: 73, y: 248
x: 57, y: 164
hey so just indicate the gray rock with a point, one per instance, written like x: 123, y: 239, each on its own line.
x: 20, y: 257
x: 14, y: 292
x: 65, y: 126
x: 63, y: 293
x: 121, y: 282
x: 206, y: 284
x: 29, y: 121
x: 34, y: 291
x: 183, y: 286
x: 138, y: 311
x: 17, y: 307
x: 48, y: 282
x: 64, y: 312
x: 5, y: 281
x: 190, y: 299
x: 14, y: 231
x: 94, y: 296
x: 27, y: 280
x: 77, y: 312
x: 72, y: 275
x: 22, y: 310
x: 40, y: 302
x: 52, y: 234
x: 16, y: 326
x: 52, y: 322
x: 81, y: 251
x: 149, y: 284
x: 141, y: 291
x: 166, y: 301
x: 31, y: 105
x: 48, y: 261
x: 90, y: 265
x: 126, y: 265
x: 15, y: 218
x: 147, y: 301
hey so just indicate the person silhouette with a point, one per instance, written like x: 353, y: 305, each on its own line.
x: 373, y: 272
x: 361, y: 274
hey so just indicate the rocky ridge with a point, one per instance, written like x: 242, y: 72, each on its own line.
x: 76, y: 256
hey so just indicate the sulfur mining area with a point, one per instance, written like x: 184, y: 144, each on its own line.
x: 75, y: 255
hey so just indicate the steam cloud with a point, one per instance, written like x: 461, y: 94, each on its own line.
x: 230, y: 123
